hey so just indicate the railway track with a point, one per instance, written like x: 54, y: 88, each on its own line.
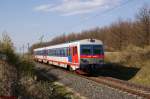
x: 120, y: 85
x: 123, y: 86
x: 131, y: 88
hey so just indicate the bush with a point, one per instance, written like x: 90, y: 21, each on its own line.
x: 25, y: 66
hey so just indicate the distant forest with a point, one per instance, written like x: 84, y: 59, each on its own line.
x: 116, y: 36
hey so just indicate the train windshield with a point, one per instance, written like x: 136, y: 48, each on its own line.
x: 85, y: 49
x: 91, y: 49
x: 97, y: 50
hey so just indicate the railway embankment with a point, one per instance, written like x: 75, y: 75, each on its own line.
x: 83, y: 86
x: 8, y: 78
x: 136, y: 59
x: 30, y: 86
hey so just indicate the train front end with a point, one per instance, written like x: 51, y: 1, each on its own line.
x: 91, y: 55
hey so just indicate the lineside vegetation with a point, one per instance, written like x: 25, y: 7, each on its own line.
x: 18, y: 77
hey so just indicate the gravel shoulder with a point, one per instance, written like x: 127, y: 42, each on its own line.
x: 83, y: 86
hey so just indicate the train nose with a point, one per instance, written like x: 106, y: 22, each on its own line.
x: 91, y: 61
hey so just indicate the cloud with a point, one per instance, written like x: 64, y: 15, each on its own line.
x: 43, y: 8
x: 73, y: 7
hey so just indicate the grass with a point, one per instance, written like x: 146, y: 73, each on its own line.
x: 133, y: 57
x: 143, y: 76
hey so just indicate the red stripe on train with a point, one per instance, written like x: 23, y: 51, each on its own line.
x: 76, y: 64
x: 59, y: 62
x: 92, y: 56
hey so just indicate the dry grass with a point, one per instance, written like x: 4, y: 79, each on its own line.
x: 28, y: 87
x: 113, y: 57
x: 131, y: 56
x: 143, y: 76
x: 136, y: 57
x: 8, y: 78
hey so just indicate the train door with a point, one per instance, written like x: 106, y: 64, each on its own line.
x: 69, y: 54
x: 74, y: 54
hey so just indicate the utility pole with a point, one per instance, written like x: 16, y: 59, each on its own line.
x: 41, y: 39
x: 28, y: 53
x: 28, y: 46
x: 20, y: 50
x: 23, y: 50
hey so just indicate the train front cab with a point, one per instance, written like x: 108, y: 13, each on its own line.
x: 91, y: 57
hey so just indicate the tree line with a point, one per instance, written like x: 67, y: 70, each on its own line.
x: 116, y: 36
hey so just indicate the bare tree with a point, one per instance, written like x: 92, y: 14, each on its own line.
x: 143, y: 19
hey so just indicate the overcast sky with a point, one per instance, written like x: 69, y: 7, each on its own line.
x: 27, y: 20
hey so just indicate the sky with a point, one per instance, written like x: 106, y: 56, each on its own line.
x: 27, y: 20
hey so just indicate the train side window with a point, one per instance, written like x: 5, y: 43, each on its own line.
x: 60, y: 52
x: 69, y: 51
x: 65, y: 52
x: 54, y: 52
x: 51, y: 51
x: 57, y: 52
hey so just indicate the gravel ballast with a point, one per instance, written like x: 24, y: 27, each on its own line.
x: 83, y: 86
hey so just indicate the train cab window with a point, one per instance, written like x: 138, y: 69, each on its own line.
x: 97, y: 50
x: 86, y: 49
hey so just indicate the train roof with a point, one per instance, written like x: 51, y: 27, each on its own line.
x: 84, y: 41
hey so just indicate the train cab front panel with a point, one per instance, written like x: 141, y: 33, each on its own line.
x: 91, y: 56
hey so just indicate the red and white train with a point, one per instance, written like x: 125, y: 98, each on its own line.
x: 82, y: 54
